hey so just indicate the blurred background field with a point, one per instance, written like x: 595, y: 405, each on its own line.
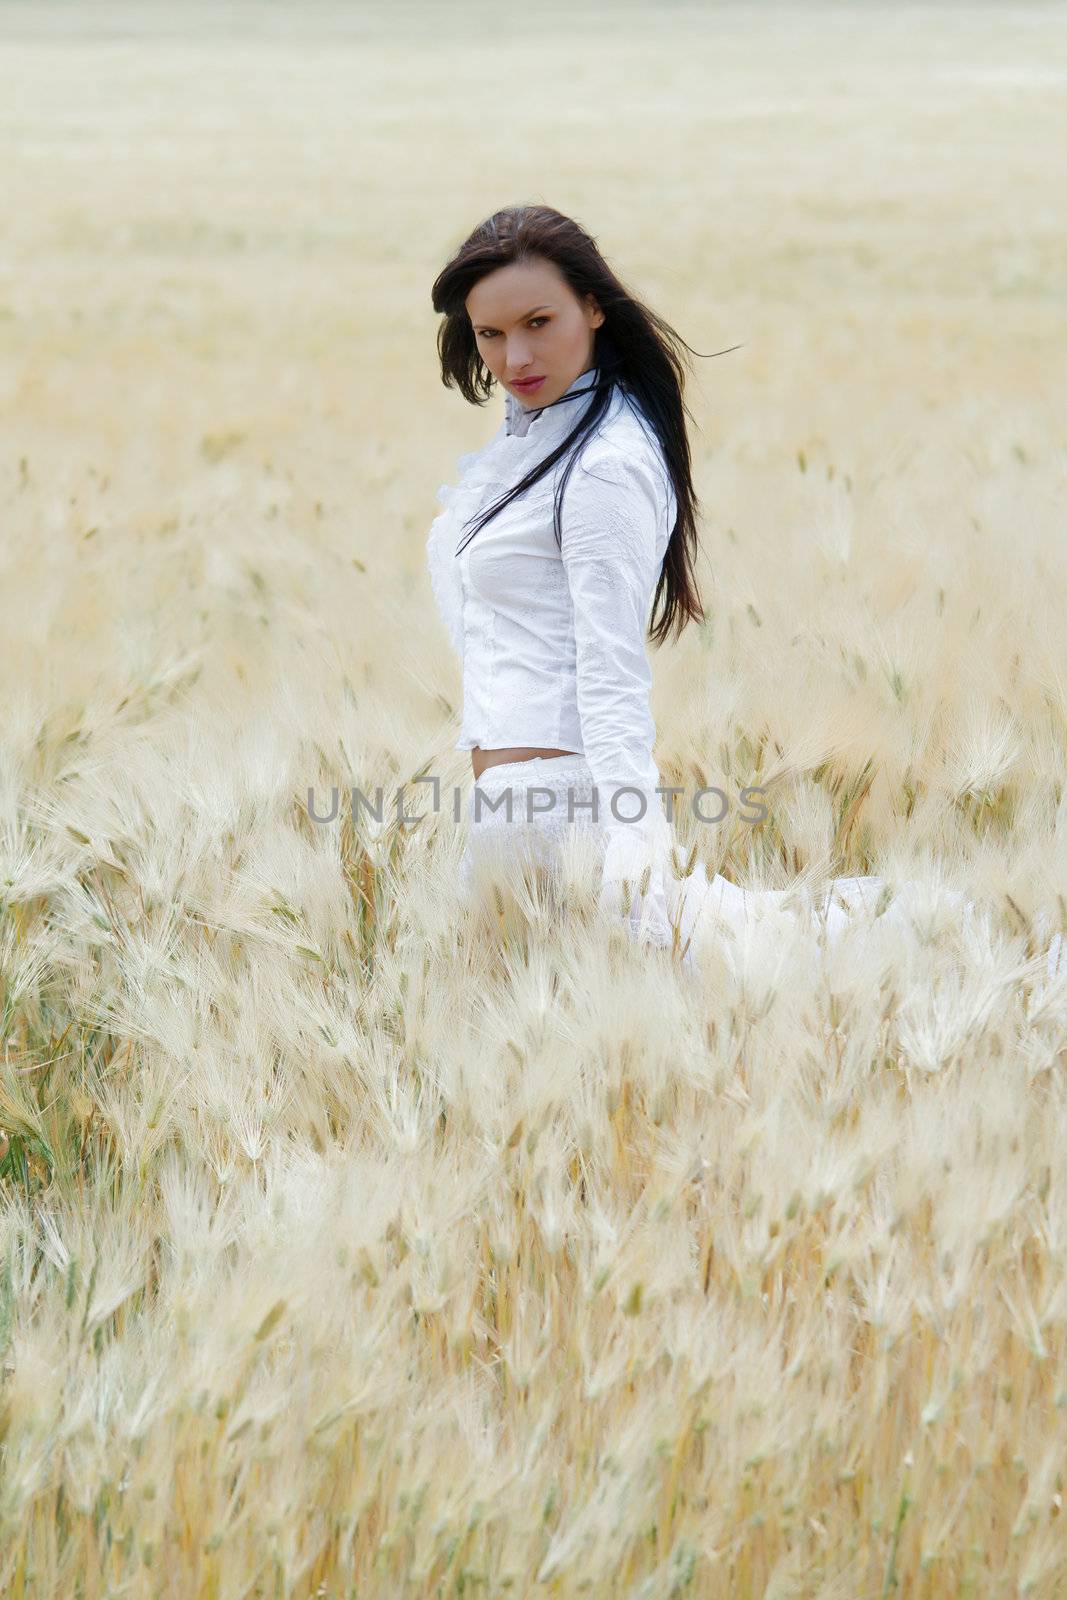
x: 345, y: 1250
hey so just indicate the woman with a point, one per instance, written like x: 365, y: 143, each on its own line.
x: 561, y: 531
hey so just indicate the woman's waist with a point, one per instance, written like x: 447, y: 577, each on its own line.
x: 522, y: 756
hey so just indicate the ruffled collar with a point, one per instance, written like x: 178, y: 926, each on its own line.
x: 522, y: 421
x: 526, y: 435
x: 526, y: 432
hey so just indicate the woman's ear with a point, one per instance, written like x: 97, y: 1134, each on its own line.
x: 596, y: 316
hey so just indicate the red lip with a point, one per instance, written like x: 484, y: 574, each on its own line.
x: 528, y: 383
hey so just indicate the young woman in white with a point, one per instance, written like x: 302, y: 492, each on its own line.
x: 576, y: 518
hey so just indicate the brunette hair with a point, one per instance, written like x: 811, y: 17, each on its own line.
x: 633, y: 348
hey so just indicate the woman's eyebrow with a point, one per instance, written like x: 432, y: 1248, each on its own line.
x: 521, y: 319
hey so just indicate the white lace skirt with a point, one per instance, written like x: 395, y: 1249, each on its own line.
x: 538, y: 834
x: 529, y: 833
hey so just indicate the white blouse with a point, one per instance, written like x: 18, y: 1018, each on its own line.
x: 552, y: 641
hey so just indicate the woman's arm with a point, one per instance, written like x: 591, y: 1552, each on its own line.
x: 612, y: 514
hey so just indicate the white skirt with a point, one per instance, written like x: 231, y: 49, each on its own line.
x: 499, y: 836
x: 541, y: 834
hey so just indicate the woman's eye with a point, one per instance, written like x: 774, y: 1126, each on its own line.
x: 488, y: 333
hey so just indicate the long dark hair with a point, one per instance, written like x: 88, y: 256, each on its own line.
x: 633, y: 348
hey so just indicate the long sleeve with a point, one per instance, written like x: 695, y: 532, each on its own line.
x: 611, y: 551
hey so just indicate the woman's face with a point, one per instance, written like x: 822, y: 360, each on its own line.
x: 528, y: 323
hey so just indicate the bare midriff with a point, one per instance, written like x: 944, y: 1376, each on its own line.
x: 481, y: 759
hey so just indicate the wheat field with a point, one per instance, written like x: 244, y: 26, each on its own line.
x: 351, y: 1246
